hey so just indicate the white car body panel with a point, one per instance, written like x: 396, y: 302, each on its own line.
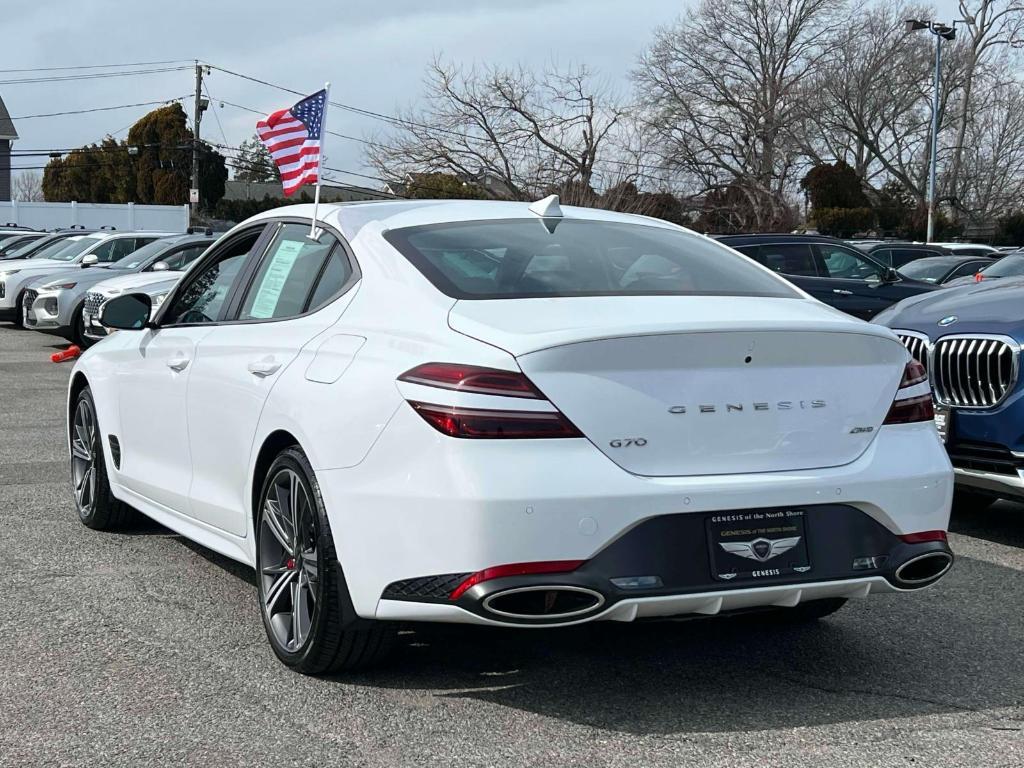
x: 405, y: 500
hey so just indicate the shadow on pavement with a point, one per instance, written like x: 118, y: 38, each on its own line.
x: 1002, y: 523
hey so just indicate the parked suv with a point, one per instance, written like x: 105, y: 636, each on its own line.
x: 969, y: 338
x: 830, y: 270
x: 54, y: 303
x: 82, y: 250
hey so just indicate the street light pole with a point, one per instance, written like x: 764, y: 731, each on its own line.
x: 941, y: 32
x: 935, y: 140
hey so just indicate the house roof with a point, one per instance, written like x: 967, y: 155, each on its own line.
x: 6, y: 124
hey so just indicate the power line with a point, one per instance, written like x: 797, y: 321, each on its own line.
x: 92, y: 76
x: 95, y: 66
x: 97, y: 109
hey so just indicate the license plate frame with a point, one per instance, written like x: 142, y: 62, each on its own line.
x: 759, y: 544
x: 943, y: 421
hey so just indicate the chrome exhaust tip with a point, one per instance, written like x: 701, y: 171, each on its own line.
x: 543, y: 602
x: 923, y: 570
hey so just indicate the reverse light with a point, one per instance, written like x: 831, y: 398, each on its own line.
x: 482, y: 423
x: 514, y: 569
x: 471, y: 378
x: 922, y: 536
x: 909, y: 407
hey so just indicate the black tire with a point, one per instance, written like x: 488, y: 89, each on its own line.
x: 333, y: 639
x: 78, y: 329
x: 97, y: 508
x: 19, y: 318
x: 812, y: 610
x: 971, y: 501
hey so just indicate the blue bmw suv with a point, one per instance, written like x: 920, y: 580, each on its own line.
x: 969, y: 338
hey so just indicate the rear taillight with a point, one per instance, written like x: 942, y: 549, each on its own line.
x: 481, y: 423
x: 471, y: 378
x: 913, y: 402
x: 485, y: 423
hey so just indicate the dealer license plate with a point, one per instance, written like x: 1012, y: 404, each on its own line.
x: 758, y: 544
x: 943, y: 421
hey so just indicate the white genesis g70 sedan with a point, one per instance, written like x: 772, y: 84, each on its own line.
x: 508, y: 415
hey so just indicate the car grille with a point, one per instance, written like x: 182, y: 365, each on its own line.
x: 916, y: 345
x: 973, y: 371
x: 26, y: 305
x: 92, y: 302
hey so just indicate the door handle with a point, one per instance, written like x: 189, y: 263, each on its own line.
x: 263, y: 368
x: 178, y: 363
x: 842, y: 291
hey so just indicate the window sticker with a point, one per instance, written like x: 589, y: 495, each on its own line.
x: 274, y: 278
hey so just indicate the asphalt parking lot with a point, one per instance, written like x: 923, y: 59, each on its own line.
x: 143, y: 649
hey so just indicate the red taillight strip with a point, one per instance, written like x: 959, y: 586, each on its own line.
x: 911, y: 410
x: 922, y: 536
x: 482, y: 423
x: 515, y: 569
x: 472, y: 378
x: 913, y: 373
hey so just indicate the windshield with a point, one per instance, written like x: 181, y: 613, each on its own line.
x: 139, y: 257
x: 1008, y: 266
x: 521, y: 258
x: 25, y: 250
x: 929, y: 270
x: 14, y: 245
x: 65, y: 250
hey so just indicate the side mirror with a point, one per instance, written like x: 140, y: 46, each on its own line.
x: 891, y: 275
x: 127, y: 313
x: 89, y: 260
x: 160, y: 266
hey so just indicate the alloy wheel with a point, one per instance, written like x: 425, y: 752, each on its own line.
x: 289, y: 561
x: 83, y: 457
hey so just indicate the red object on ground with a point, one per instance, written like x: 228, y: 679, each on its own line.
x: 68, y: 354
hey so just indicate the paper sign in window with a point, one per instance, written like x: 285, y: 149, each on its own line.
x: 274, y: 278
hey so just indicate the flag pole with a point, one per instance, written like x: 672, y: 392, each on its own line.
x: 320, y: 164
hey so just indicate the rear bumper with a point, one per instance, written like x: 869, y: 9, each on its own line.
x: 422, y: 504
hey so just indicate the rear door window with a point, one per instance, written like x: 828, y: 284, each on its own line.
x: 286, y: 276
x: 848, y: 264
x: 789, y: 259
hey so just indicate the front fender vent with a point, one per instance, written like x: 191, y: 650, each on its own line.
x: 115, y: 450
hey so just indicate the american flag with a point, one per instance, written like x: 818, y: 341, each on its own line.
x: 293, y: 138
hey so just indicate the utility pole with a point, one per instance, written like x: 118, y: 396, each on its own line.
x: 200, y: 105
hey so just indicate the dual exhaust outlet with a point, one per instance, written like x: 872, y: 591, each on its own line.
x: 565, y: 601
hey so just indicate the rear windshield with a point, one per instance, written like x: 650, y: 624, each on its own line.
x: 1008, y: 266
x: 521, y: 258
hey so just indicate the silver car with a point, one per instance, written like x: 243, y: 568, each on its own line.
x: 54, y: 303
x: 85, y: 250
x: 156, y: 285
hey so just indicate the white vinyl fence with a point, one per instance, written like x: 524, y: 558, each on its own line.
x: 121, y: 216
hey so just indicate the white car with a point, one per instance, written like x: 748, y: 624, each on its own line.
x: 509, y: 415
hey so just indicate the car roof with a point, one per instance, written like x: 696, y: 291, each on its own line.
x: 951, y: 260
x: 910, y: 246
x: 350, y: 218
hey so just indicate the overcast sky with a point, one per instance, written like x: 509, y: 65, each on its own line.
x: 373, y: 53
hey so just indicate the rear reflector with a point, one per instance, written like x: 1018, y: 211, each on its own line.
x: 479, y: 423
x: 922, y: 536
x: 515, y: 569
x: 472, y: 378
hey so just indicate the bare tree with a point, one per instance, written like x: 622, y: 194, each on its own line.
x: 724, y: 89
x: 871, y: 101
x: 514, y: 133
x: 990, y: 24
x: 28, y: 187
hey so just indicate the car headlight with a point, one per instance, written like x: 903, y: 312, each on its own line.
x: 8, y: 273
x: 157, y: 299
x: 57, y: 286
